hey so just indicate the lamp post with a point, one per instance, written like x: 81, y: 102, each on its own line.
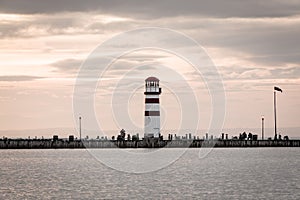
x: 262, y: 127
x: 80, y: 128
x: 275, y: 119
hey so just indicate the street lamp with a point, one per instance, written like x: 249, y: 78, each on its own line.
x: 262, y: 127
x: 275, y: 120
x: 80, y: 128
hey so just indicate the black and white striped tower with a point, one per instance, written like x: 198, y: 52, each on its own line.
x: 152, y: 110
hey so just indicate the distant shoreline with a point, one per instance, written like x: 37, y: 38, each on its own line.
x: 148, y: 143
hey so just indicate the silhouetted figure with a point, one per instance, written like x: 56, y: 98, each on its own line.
x: 161, y: 137
x: 113, y: 137
x: 244, y: 136
x: 275, y: 137
x: 128, y: 137
x: 279, y: 137
x: 55, y: 138
x: 254, y: 137
x: 120, y: 138
x: 122, y: 133
x: 286, y: 137
x: 250, y: 136
x: 71, y: 138
x: 134, y: 138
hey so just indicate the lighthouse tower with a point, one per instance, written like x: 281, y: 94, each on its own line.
x: 152, y: 110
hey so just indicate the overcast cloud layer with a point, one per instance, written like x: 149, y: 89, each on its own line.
x: 158, y: 8
x: 254, y: 44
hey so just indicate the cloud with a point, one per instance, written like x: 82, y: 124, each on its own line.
x: 255, y: 45
x: 286, y: 72
x: 68, y: 66
x: 254, y: 73
x: 18, y: 78
x: 157, y: 8
x: 137, y: 60
x: 67, y: 23
x: 265, y: 40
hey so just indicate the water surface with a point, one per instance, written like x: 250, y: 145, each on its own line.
x: 236, y: 173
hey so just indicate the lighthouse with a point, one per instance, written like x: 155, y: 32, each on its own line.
x: 152, y: 110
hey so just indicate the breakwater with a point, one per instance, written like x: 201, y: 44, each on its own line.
x: 148, y: 143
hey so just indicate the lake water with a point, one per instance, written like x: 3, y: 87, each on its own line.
x: 236, y: 173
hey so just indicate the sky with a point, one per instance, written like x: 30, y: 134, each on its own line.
x: 253, y: 44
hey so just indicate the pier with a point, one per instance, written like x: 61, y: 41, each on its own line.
x: 150, y: 143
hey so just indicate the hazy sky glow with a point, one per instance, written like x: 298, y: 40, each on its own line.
x: 254, y: 45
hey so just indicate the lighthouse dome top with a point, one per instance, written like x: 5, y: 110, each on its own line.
x: 152, y: 78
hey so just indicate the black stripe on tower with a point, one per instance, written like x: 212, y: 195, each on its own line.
x: 154, y: 100
x: 152, y: 113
